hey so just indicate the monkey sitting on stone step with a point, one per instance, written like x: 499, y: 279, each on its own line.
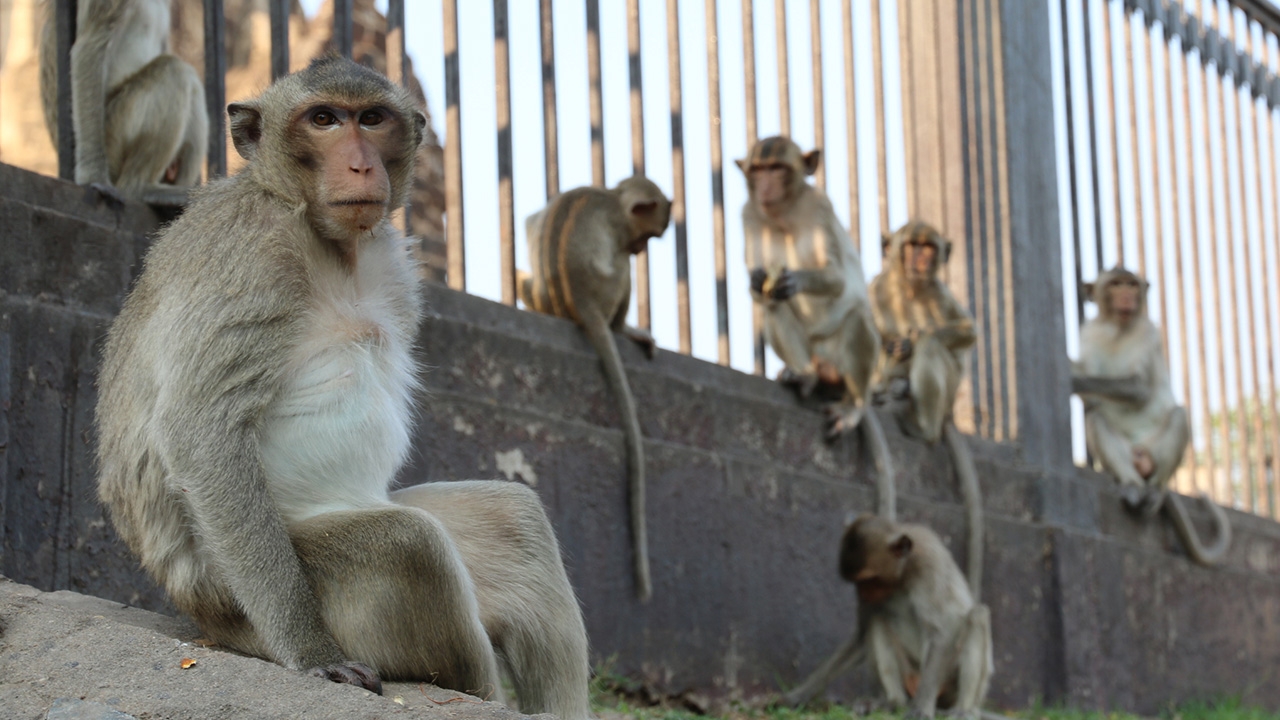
x: 580, y: 249
x: 929, y: 641
x: 1133, y: 424
x: 256, y: 403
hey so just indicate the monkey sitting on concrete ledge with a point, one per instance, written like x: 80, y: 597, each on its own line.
x: 256, y: 403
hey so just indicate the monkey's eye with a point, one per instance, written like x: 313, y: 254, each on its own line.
x: 371, y: 117
x: 324, y: 118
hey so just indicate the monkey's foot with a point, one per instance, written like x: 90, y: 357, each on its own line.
x: 803, y: 383
x: 842, y: 419
x: 357, y: 674
x: 1133, y: 496
x: 165, y: 196
x: 1143, y: 462
x: 643, y: 339
x: 108, y: 194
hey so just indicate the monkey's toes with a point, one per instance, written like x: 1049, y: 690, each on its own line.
x: 357, y: 674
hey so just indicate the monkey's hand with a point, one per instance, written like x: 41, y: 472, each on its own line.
x: 758, y: 276
x: 643, y: 339
x: 899, y: 348
x: 352, y: 673
x: 784, y: 286
x: 108, y: 194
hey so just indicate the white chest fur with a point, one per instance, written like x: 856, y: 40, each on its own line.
x: 340, y: 430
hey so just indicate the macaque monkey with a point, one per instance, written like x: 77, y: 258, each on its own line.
x: 1133, y: 425
x: 580, y: 249
x: 141, y: 129
x: 256, y: 403
x: 806, y: 276
x: 927, y: 336
x: 929, y: 641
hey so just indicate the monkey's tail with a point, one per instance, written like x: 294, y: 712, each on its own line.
x: 602, y: 339
x: 972, y: 494
x: 1207, y: 556
x: 886, y: 480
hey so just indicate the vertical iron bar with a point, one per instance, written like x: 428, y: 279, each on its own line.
x: 343, y: 26
x: 550, y: 134
x: 279, y: 11
x: 396, y: 64
x: 637, y: 150
x: 784, y: 76
x: 597, y: 105
x: 1093, y: 135
x: 677, y: 176
x: 1113, y: 107
x: 454, y: 238
x: 851, y: 120
x: 882, y: 160
x: 749, y: 79
x: 1073, y: 181
x: 1265, y: 128
x: 1131, y: 77
x: 215, y: 93
x: 506, y: 189
x: 717, y: 182
x: 65, y: 38
x: 819, y: 139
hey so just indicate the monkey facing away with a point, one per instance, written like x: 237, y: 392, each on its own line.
x: 929, y: 641
x: 138, y: 112
x: 580, y: 249
x: 927, y: 336
x: 255, y: 405
x: 1133, y: 424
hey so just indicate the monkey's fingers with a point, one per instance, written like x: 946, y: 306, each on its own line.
x: 357, y: 674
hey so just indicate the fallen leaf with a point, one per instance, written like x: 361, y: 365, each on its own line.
x: 399, y: 700
x: 186, y: 663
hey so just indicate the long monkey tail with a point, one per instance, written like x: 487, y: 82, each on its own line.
x: 602, y: 339
x: 1207, y: 556
x: 972, y: 495
x: 886, y: 480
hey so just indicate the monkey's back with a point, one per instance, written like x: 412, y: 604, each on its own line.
x: 579, y: 254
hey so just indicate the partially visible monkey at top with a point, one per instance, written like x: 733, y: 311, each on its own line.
x: 1133, y: 424
x: 138, y: 112
x: 807, y: 276
x: 580, y: 249
x: 256, y: 403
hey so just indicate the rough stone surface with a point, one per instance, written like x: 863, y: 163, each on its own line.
x: 62, y: 647
x: 746, y: 502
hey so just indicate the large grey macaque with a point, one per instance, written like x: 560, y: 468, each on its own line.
x: 580, y: 249
x: 256, y: 404
x: 1133, y: 424
x: 138, y: 112
x: 930, y: 642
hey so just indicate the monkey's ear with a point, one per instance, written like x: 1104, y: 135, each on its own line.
x: 900, y: 547
x: 419, y: 127
x: 811, y: 161
x: 1087, y: 289
x: 945, y: 251
x: 885, y: 243
x: 743, y: 166
x: 246, y: 127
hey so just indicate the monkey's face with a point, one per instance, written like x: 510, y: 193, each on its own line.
x: 872, y: 554
x: 1124, y: 298
x: 770, y: 184
x: 775, y: 172
x: 648, y: 211
x: 920, y: 258
x: 348, y: 146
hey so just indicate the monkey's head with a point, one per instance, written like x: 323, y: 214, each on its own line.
x: 916, y: 251
x: 1121, y: 295
x: 873, y: 553
x: 776, y: 171
x: 648, y: 211
x: 336, y: 137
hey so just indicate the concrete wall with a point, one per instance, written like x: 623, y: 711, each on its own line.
x: 1090, y: 607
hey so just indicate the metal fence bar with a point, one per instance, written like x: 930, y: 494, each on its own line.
x: 1113, y: 112
x: 397, y: 65
x: 882, y: 168
x: 677, y: 177
x: 279, y: 12
x: 819, y: 139
x: 784, y: 76
x: 215, y: 93
x: 597, y: 104
x: 717, y: 182
x: 637, y: 150
x: 749, y: 80
x: 1094, y: 158
x: 1267, y: 152
x: 850, y: 118
x: 506, y: 187
x: 343, y: 26
x: 1131, y: 87
x: 1072, y: 180
x: 456, y: 275
x: 550, y: 136
x: 64, y: 28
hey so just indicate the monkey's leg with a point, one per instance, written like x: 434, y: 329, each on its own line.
x: 855, y: 350
x: 840, y: 662
x: 1112, y: 449
x: 890, y: 667
x: 395, y: 593
x: 1168, y: 446
x: 933, y: 366
x: 526, y: 602
x: 147, y: 118
x: 975, y: 661
x: 787, y: 337
x: 195, y: 141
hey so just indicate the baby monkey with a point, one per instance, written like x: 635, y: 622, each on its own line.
x: 929, y: 641
x: 580, y: 249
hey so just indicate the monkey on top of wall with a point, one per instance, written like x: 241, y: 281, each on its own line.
x: 929, y: 639
x: 256, y: 403
x: 138, y: 112
x: 580, y: 249
x: 1133, y: 424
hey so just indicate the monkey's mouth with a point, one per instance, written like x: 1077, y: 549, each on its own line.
x: 358, y: 203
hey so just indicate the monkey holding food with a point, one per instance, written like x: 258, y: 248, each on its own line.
x: 256, y: 403
x: 580, y: 249
x: 1133, y: 424
x: 929, y: 641
x: 141, y: 128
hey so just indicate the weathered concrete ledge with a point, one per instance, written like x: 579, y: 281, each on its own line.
x: 746, y: 502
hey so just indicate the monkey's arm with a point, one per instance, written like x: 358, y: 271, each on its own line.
x: 639, y: 336
x: 957, y: 332
x: 89, y: 88
x: 1130, y: 389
